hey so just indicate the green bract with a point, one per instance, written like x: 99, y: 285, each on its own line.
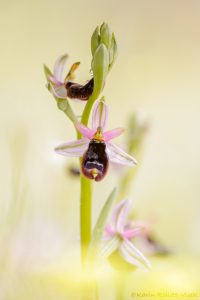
x: 100, y: 66
x: 113, y: 51
x: 95, y: 40
x: 100, y: 226
x: 47, y: 71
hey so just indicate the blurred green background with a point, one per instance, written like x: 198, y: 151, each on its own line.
x: 157, y: 73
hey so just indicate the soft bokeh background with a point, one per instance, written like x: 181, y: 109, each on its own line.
x: 157, y: 73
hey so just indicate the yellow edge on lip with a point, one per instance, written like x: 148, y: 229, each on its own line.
x: 94, y: 173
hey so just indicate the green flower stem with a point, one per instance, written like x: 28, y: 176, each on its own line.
x: 85, y: 216
x: 87, y: 110
x: 86, y: 195
x: 86, y: 208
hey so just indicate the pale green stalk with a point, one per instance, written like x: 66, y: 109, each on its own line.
x: 86, y: 194
x: 85, y: 215
x: 86, y: 211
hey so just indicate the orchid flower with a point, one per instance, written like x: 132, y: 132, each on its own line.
x: 147, y: 241
x: 63, y: 88
x: 119, y: 235
x: 96, y: 147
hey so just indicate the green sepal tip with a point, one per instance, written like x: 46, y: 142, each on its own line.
x: 106, y: 35
x: 95, y: 40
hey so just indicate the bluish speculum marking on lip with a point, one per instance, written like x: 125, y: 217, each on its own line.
x: 95, y: 160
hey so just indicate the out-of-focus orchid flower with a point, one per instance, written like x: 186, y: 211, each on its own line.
x: 63, y: 87
x: 147, y: 241
x: 96, y: 147
x: 119, y: 235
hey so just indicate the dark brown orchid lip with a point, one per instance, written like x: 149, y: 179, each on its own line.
x: 95, y: 161
x: 78, y: 91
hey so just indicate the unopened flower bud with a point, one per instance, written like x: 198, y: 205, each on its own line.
x: 95, y: 40
x: 106, y: 35
x: 100, y: 66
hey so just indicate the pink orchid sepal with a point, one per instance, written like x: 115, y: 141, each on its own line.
x: 56, y: 80
x: 119, y: 237
x: 95, y: 146
x: 64, y: 87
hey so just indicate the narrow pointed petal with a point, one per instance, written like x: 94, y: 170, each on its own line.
x: 51, y: 79
x: 129, y: 258
x: 109, y: 246
x: 99, y: 115
x: 117, y: 155
x: 132, y: 254
x: 115, y: 215
x: 110, y: 231
x: 75, y: 148
x: 121, y: 217
x: 70, y: 75
x: 111, y: 134
x: 130, y: 233
x: 85, y: 131
x: 59, y: 91
x: 59, y: 67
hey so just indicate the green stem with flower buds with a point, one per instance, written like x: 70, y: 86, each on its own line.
x: 104, y: 50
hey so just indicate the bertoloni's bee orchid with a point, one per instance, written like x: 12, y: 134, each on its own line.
x: 66, y: 88
x: 119, y: 235
x: 96, y: 147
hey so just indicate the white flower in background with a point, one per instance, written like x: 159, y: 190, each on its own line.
x: 119, y: 235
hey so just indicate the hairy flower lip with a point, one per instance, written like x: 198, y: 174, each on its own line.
x: 95, y: 161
